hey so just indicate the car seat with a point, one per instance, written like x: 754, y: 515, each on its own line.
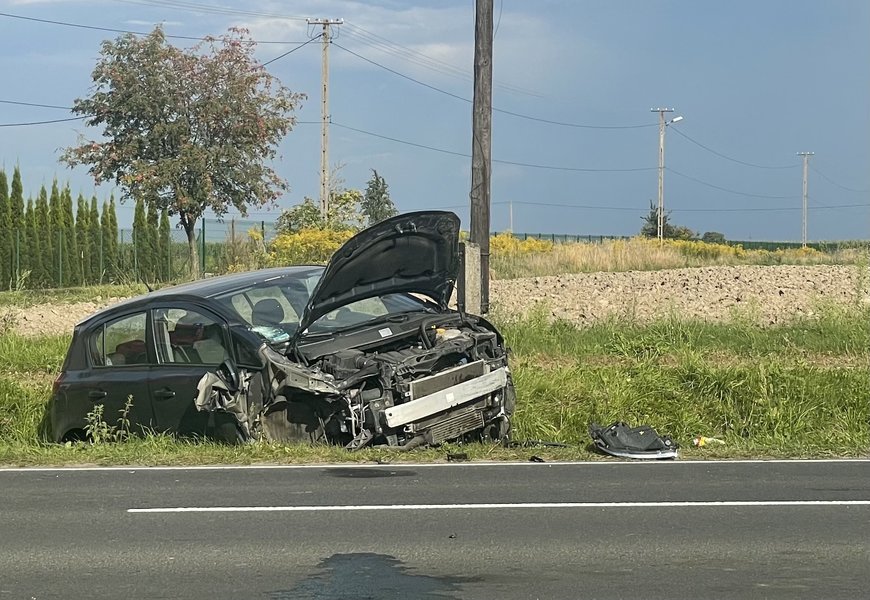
x: 210, y: 348
x: 267, y: 312
x: 133, y: 352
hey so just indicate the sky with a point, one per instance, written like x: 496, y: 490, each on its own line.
x: 574, y: 143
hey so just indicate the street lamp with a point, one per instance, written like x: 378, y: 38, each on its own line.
x: 662, y: 125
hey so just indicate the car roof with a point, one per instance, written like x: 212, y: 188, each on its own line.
x: 215, y: 286
x: 210, y: 287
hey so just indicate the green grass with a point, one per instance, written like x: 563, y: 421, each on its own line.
x: 790, y: 391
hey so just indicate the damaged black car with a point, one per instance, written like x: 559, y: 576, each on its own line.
x: 362, y: 352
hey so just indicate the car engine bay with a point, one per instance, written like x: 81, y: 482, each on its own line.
x: 424, y: 380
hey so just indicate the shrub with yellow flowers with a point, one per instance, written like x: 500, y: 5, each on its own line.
x: 706, y: 250
x: 507, y: 245
x: 307, y: 246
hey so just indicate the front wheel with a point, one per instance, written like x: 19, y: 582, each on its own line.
x: 499, y: 429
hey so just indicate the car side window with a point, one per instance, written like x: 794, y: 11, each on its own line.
x: 120, y: 342
x: 185, y: 336
x: 264, y: 306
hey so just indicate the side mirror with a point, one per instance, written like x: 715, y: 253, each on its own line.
x: 229, y: 373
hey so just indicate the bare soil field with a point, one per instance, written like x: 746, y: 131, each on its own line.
x: 768, y: 295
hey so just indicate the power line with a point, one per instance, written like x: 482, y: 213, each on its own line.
x: 113, y: 30
x: 623, y: 208
x: 504, y: 162
x: 409, y: 54
x: 827, y: 206
x: 40, y: 122
x: 494, y: 109
x: 292, y: 50
x: 584, y: 206
x: 211, y: 9
x: 397, y: 140
x: 365, y: 36
x: 730, y: 191
x: 699, y: 210
x: 413, y: 56
x: 741, y: 162
x: 17, y: 103
x: 831, y: 181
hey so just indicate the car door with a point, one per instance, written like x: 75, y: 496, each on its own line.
x: 190, y: 341
x: 119, y: 362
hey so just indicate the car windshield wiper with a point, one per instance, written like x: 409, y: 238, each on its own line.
x: 390, y: 318
x: 318, y: 335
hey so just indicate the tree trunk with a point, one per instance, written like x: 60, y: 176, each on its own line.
x: 190, y: 230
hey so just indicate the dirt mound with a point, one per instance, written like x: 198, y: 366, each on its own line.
x: 51, y: 319
x: 767, y: 295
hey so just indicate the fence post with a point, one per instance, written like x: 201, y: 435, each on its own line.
x: 468, y: 296
x: 102, y: 268
x: 60, y: 258
x: 17, y: 255
x: 202, y: 242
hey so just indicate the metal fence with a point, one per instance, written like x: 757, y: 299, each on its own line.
x: 221, y: 246
x: 564, y: 238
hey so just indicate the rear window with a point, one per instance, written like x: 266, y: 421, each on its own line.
x: 120, y: 342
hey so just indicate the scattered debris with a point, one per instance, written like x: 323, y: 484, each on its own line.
x: 702, y: 441
x: 457, y: 456
x: 535, y: 444
x: 641, y: 442
x: 536, y: 459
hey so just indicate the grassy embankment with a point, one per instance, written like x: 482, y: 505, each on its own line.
x: 795, y: 390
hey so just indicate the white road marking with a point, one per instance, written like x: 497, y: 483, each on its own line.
x: 611, y: 463
x: 374, y: 507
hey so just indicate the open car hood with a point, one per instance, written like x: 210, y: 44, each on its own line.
x: 414, y: 252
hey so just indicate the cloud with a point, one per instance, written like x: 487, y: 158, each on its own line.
x: 153, y: 23
x: 432, y: 42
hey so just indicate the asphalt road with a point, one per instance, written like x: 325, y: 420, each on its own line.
x: 601, y: 530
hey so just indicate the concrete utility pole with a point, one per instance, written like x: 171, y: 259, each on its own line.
x: 661, y: 209
x: 481, y: 142
x: 511, y: 216
x: 806, y: 157
x: 324, y: 113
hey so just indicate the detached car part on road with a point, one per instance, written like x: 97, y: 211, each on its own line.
x: 364, y: 351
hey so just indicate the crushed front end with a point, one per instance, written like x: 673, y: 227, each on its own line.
x: 434, y: 379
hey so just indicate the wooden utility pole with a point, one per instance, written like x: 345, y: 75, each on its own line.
x: 324, y: 113
x: 481, y: 142
x: 806, y: 157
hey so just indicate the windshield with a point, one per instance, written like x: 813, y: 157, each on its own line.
x: 273, y: 308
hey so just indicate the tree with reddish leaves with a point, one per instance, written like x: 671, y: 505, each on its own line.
x: 191, y: 129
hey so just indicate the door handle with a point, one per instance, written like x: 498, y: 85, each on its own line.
x: 165, y: 394
x: 97, y: 394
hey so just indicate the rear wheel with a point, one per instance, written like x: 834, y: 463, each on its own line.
x: 74, y: 435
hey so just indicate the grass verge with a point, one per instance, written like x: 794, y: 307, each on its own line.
x: 791, y: 391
